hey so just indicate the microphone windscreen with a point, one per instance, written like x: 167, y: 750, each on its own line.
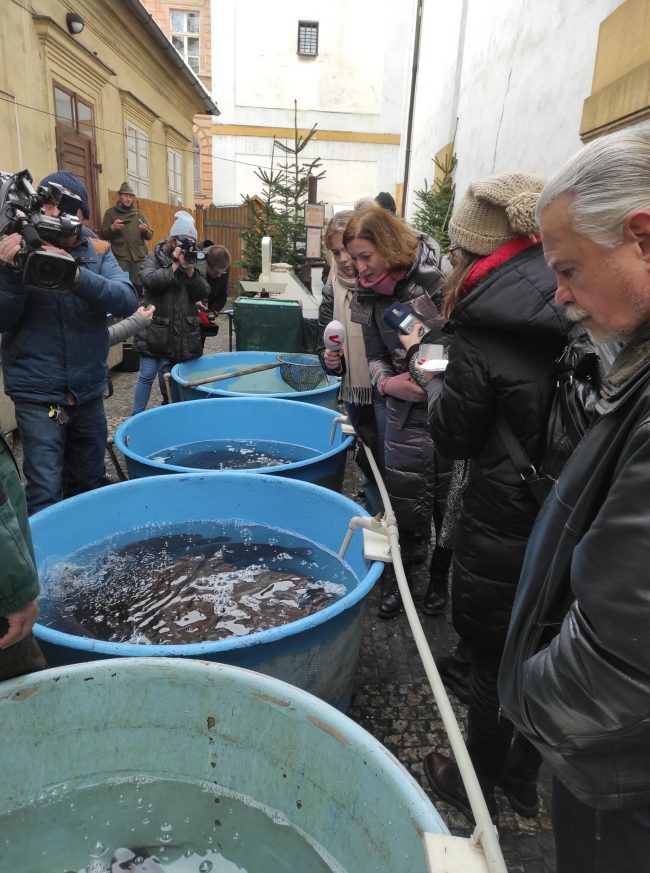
x: 334, y: 336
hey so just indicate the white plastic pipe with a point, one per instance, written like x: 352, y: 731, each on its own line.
x: 485, y: 834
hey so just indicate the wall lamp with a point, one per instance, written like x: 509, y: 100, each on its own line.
x: 74, y: 23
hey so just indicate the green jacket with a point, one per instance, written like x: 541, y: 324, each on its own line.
x: 128, y: 244
x: 18, y: 579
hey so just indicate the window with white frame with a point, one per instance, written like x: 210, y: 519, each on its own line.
x: 307, y: 37
x: 196, y: 163
x: 137, y: 159
x: 185, y: 37
x: 175, y: 177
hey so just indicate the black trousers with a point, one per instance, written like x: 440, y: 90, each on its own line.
x: 490, y: 740
x: 590, y: 840
x: 23, y: 657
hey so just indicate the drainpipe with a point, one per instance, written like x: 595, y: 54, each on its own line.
x: 459, y: 71
x: 18, y: 140
x: 409, y: 123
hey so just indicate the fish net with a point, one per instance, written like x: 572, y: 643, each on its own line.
x: 301, y: 372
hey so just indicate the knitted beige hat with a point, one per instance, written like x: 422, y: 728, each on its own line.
x: 496, y: 210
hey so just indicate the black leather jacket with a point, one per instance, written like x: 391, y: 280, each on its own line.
x: 575, y: 675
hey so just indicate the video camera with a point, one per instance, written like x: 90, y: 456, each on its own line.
x: 190, y: 252
x: 20, y: 212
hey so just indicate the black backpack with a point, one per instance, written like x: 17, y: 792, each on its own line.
x: 579, y: 379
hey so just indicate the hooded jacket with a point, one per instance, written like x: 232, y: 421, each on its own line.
x: 507, y: 335
x: 408, y: 449
x: 55, y: 344
x: 575, y: 676
x: 174, y: 332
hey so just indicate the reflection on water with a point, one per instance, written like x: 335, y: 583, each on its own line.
x: 185, y: 587
x: 231, y: 454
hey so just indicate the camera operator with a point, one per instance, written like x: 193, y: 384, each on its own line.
x: 174, y: 285
x: 54, y: 350
x: 216, y: 269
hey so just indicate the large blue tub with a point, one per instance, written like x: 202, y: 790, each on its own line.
x: 317, y: 653
x: 229, y: 731
x: 181, y: 424
x: 268, y: 383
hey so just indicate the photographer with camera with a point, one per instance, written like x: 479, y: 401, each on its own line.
x: 174, y: 285
x: 57, y: 287
x: 127, y: 229
x: 217, y: 272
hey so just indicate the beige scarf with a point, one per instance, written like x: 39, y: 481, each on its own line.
x: 356, y: 386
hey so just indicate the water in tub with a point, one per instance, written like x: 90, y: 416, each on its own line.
x: 142, y: 824
x: 190, y: 583
x: 233, y: 454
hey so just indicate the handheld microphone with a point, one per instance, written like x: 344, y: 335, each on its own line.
x: 334, y: 336
x: 401, y: 318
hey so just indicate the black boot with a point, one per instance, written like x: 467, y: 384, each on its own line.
x: 435, y: 599
x: 391, y: 601
x: 519, y: 779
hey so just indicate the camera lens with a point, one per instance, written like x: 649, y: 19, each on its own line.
x: 49, y: 271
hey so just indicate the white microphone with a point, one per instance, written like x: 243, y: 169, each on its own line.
x: 334, y: 336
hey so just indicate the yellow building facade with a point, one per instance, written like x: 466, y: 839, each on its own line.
x: 110, y: 102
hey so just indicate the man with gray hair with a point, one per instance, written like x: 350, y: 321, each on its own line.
x: 575, y: 675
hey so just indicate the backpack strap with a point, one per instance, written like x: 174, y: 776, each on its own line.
x: 539, y: 485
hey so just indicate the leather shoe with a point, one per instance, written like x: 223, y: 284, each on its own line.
x: 434, y: 603
x: 443, y: 776
x: 391, y: 603
x: 521, y: 794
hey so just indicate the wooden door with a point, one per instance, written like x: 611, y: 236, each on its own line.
x: 76, y: 154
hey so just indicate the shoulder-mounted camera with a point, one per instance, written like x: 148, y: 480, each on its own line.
x: 20, y: 212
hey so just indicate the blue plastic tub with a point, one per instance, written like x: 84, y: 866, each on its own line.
x: 268, y: 383
x: 317, y: 653
x: 233, y: 732
x: 241, y: 418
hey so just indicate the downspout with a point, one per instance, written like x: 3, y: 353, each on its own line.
x: 459, y: 71
x: 409, y: 123
x: 18, y: 139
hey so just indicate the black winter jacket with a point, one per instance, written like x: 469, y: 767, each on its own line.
x: 575, y: 676
x: 174, y: 332
x: 408, y: 448
x: 507, y: 335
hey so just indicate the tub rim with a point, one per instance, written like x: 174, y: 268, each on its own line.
x: 227, y: 644
x: 277, y: 469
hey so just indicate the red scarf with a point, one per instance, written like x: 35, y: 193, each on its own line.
x: 483, y: 266
x: 384, y: 284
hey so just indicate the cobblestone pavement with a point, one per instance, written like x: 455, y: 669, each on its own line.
x: 392, y: 699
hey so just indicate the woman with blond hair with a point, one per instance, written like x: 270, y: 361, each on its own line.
x: 396, y: 263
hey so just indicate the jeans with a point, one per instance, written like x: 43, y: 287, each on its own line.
x: 60, y: 460
x: 591, y: 840
x: 149, y: 368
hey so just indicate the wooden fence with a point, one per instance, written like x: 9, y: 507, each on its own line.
x: 222, y: 224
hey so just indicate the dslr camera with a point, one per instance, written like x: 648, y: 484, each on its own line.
x: 20, y: 212
x: 190, y: 252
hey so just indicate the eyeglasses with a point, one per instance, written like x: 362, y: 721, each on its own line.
x: 452, y: 253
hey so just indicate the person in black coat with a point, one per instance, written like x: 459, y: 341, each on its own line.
x: 507, y: 334
x: 174, y: 285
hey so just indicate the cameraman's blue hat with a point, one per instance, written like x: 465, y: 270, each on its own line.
x: 183, y: 225
x: 73, y: 184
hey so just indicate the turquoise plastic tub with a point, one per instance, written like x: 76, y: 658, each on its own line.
x: 318, y: 653
x: 241, y: 418
x: 268, y: 383
x: 245, y: 733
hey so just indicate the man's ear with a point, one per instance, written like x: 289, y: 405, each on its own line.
x: 637, y: 225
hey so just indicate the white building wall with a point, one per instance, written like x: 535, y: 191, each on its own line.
x: 526, y: 69
x: 357, y: 83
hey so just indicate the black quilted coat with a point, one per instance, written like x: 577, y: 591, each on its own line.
x: 174, y: 332
x: 410, y: 474
x: 507, y: 335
